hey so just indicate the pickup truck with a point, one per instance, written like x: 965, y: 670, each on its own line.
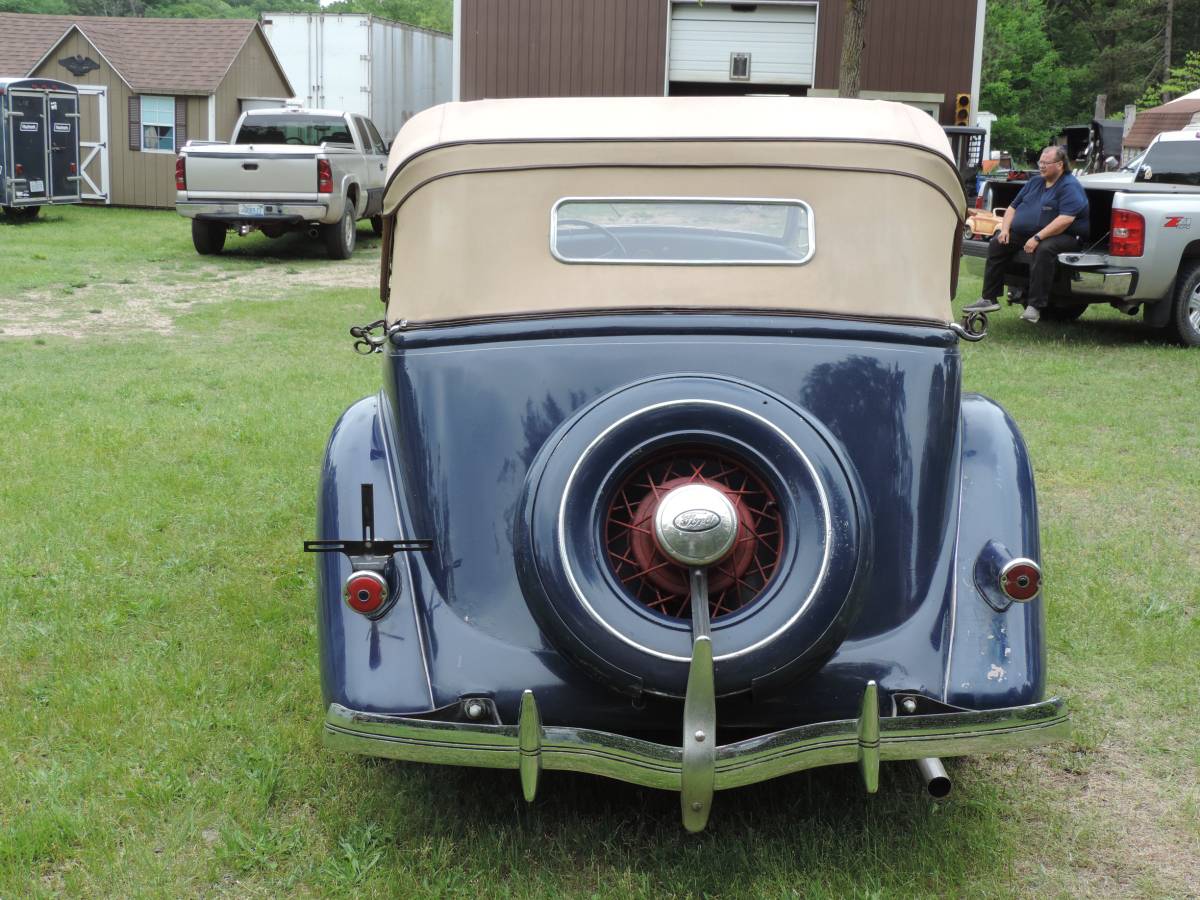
x: 287, y: 169
x: 1143, y: 252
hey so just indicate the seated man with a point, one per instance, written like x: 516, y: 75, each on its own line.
x: 1048, y: 217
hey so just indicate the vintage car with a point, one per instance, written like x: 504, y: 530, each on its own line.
x: 668, y: 481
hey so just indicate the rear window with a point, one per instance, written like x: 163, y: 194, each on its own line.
x: 682, y: 231
x: 1174, y: 162
x: 305, y: 131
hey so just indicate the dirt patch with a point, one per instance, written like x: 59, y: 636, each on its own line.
x: 1129, y: 832
x: 151, y: 299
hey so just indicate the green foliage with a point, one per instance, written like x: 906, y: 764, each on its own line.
x: 1182, y: 79
x: 1025, y: 82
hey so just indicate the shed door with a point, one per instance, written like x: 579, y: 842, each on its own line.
x: 64, y: 146
x: 28, y: 128
x: 93, y: 142
x: 743, y: 44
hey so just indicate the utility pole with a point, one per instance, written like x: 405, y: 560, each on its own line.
x: 850, y: 74
x: 1167, y: 47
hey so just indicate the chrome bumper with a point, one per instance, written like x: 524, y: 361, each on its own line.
x: 273, y: 210
x: 530, y: 747
x: 1092, y: 277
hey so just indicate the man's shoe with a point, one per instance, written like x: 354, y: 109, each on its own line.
x: 1031, y: 314
x: 982, y: 305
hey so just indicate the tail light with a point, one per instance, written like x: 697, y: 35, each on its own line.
x: 979, y: 200
x: 1021, y: 580
x: 1128, y: 233
x: 180, y: 174
x: 73, y: 168
x: 324, y: 177
x: 19, y: 169
x: 366, y: 592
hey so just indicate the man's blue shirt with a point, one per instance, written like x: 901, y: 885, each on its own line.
x: 1037, y: 205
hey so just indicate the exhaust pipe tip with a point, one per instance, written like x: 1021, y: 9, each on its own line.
x: 937, y: 782
x: 314, y: 232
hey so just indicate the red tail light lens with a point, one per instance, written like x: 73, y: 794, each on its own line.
x: 19, y: 169
x: 1021, y: 580
x: 979, y: 201
x: 180, y: 174
x: 73, y: 168
x: 324, y: 177
x: 366, y: 592
x: 1128, y: 233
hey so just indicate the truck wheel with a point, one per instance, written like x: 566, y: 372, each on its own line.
x: 1184, y: 324
x: 339, y: 237
x: 207, y: 237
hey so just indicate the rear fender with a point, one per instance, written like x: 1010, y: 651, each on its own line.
x: 994, y: 658
x: 370, y: 664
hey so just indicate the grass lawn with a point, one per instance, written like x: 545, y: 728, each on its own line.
x: 164, y: 417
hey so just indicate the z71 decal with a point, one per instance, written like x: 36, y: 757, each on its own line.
x: 1177, y: 222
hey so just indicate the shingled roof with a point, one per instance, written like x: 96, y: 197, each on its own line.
x: 169, y: 56
x: 1173, y: 116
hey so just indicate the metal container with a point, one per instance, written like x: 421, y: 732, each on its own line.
x: 387, y: 71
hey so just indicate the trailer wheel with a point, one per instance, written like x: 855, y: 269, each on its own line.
x: 207, y: 237
x: 339, y: 237
x: 1184, y: 322
x: 22, y: 213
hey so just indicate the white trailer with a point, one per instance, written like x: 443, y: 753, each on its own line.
x: 387, y: 71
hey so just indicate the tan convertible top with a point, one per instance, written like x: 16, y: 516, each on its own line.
x: 472, y: 186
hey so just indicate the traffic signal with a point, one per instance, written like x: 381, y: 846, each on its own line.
x: 962, y: 109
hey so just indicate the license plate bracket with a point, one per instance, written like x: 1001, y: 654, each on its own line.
x: 251, y: 209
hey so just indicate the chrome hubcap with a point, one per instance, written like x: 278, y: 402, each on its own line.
x: 348, y: 231
x: 1193, y: 310
x: 696, y: 525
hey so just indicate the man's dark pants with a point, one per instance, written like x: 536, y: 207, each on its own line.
x: 1041, y: 270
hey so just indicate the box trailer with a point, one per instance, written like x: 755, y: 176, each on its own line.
x: 39, y: 145
x: 386, y: 71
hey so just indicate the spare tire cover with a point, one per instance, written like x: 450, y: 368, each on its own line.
x: 797, y: 619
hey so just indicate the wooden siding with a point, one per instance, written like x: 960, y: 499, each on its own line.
x: 535, y: 48
x: 921, y: 46
x: 253, y: 74
x: 138, y: 178
x: 571, y: 48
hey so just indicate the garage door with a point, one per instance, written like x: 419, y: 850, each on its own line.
x: 754, y: 43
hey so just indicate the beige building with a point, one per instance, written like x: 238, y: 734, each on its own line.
x: 146, y: 86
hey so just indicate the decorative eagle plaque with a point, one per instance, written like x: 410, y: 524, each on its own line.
x: 79, y: 65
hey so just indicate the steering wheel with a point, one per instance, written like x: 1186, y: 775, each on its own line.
x: 592, y: 226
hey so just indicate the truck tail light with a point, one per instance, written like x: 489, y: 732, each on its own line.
x: 1128, y: 233
x: 979, y: 200
x: 324, y: 177
x: 366, y: 592
x: 180, y: 174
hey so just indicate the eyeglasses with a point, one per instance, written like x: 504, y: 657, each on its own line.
x: 1053, y: 162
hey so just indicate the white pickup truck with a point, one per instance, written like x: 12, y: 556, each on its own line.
x: 1143, y: 252
x: 286, y: 170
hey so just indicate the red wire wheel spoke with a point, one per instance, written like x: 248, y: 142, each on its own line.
x: 654, y: 580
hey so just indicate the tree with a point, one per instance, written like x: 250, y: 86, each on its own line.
x: 850, y: 71
x: 1182, y: 79
x: 1025, y: 83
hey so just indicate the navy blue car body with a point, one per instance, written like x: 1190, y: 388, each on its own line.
x: 881, y: 598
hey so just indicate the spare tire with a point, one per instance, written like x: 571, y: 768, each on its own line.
x: 605, y: 595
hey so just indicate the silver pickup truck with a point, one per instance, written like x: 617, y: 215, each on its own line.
x: 1144, y: 249
x: 286, y: 170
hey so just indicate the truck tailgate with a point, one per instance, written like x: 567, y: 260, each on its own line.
x: 245, y: 172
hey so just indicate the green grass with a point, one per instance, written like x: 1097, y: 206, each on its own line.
x: 157, y: 644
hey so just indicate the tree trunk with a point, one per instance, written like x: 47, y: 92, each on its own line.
x: 853, y: 42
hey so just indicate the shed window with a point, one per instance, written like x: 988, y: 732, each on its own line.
x: 158, y: 123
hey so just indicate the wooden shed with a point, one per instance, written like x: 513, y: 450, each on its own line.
x: 146, y: 86
x: 921, y: 52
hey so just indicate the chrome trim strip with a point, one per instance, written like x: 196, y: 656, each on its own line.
x: 578, y: 591
x: 659, y: 766
x: 651, y: 261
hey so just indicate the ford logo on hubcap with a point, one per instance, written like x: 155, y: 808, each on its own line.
x: 694, y: 520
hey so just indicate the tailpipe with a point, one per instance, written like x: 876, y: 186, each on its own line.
x: 314, y: 232
x: 937, y: 782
